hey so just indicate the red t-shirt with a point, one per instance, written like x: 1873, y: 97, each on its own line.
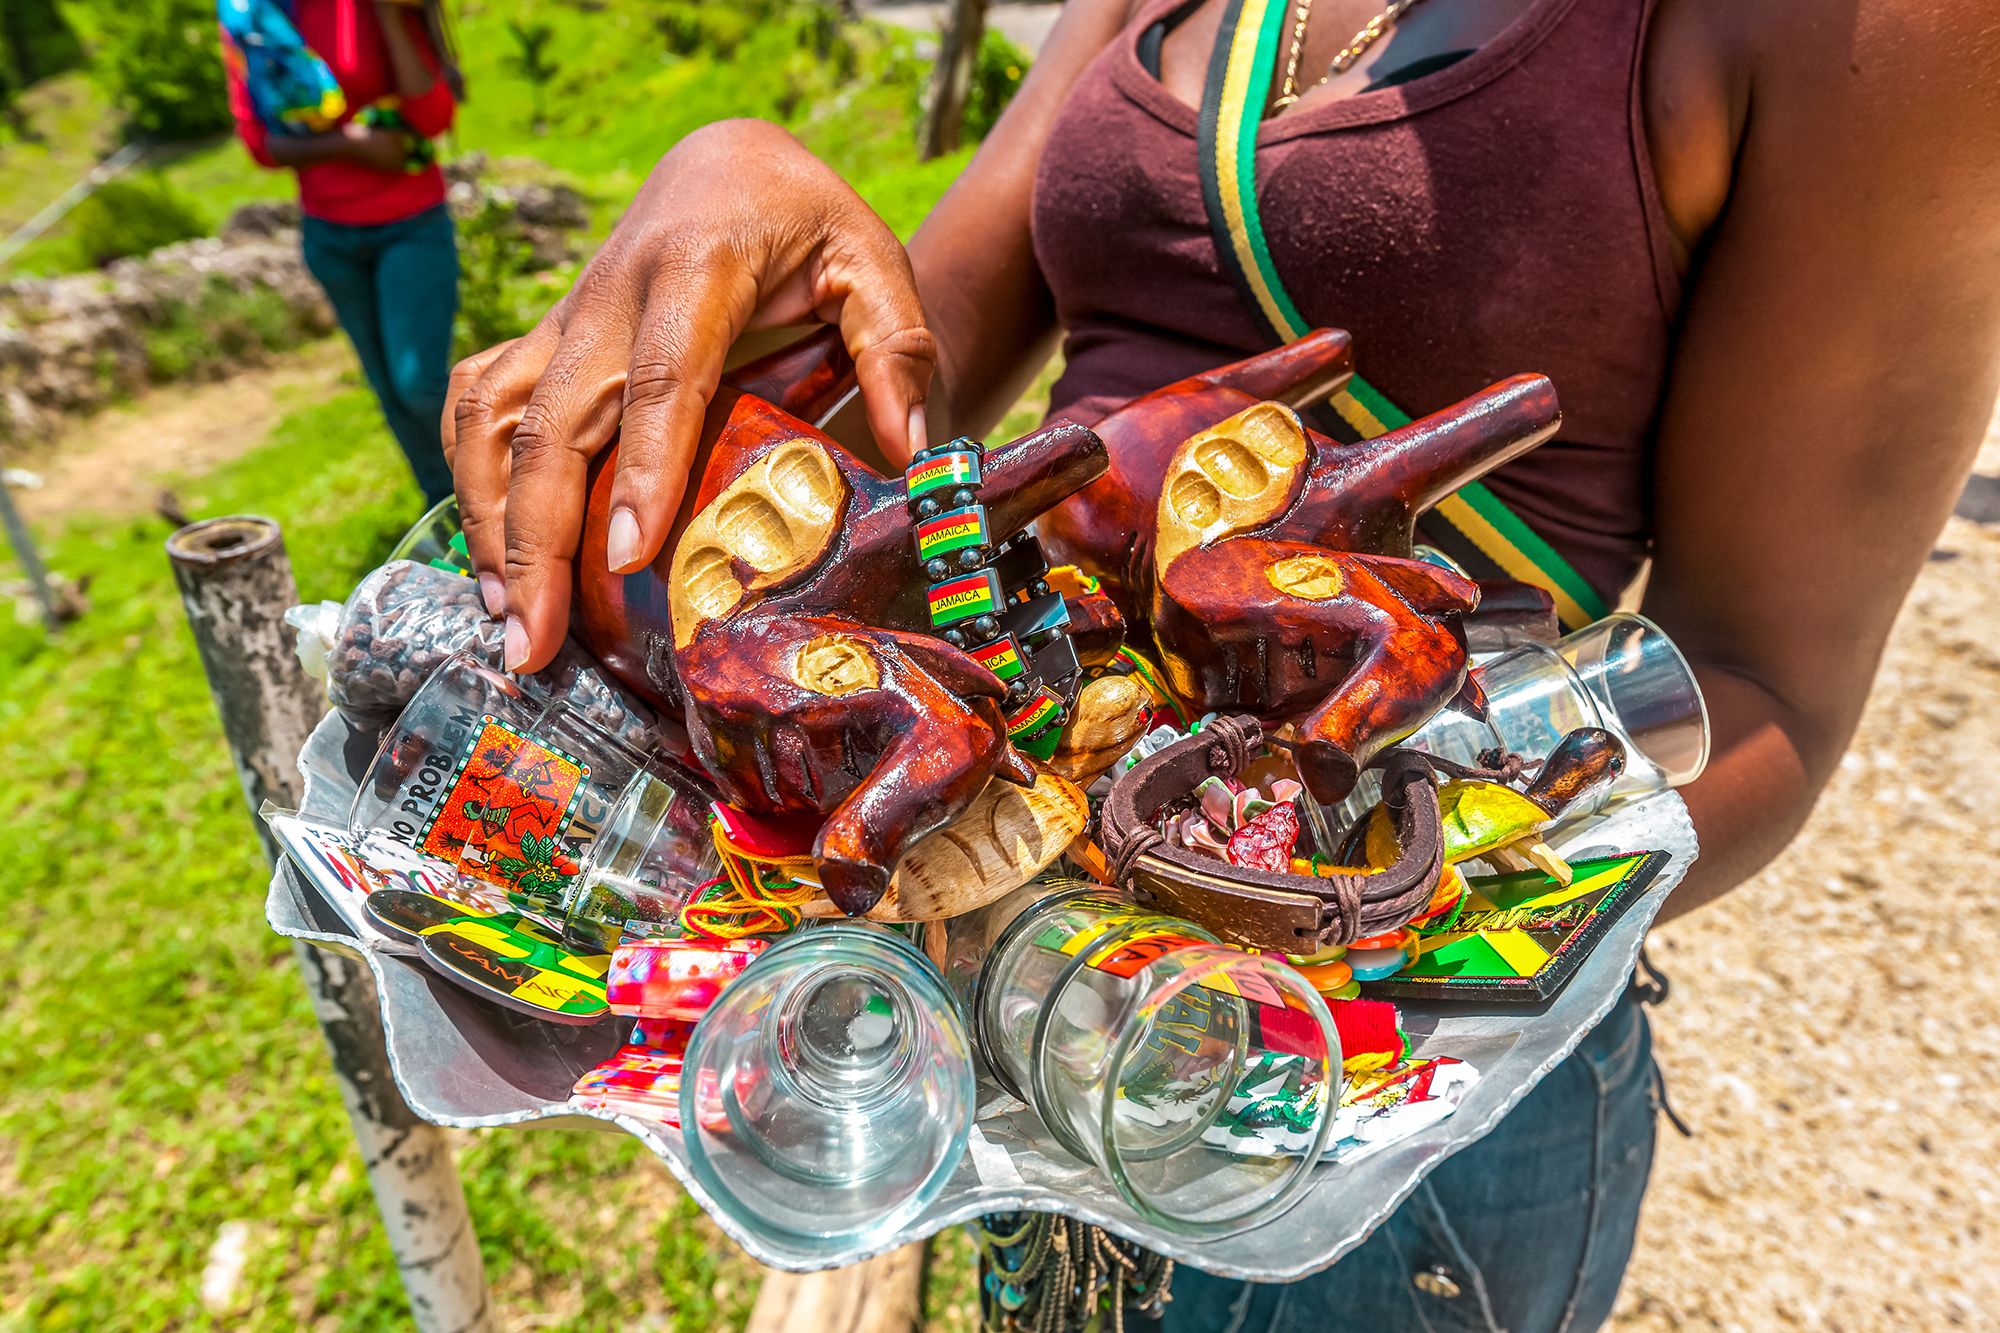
x: 347, y: 35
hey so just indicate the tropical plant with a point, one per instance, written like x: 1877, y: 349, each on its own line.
x: 530, y: 59
x: 163, y: 68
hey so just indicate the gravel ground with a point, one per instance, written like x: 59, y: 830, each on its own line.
x: 1832, y: 1037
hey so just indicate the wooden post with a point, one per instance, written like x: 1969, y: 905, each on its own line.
x: 884, y: 1295
x: 236, y: 583
x: 23, y: 543
x: 958, y: 50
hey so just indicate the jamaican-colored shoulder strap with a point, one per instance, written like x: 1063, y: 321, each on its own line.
x: 1473, y: 526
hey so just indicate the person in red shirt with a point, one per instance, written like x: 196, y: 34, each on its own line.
x: 375, y: 231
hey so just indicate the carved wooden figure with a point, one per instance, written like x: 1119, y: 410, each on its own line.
x: 1107, y: 529
x: 785, y: 618
x: 1282, y: 578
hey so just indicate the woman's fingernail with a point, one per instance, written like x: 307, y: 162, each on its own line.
x: 493, y: 591
x: 516, y: 644
x: 920, y: 435
x: 621, y: 542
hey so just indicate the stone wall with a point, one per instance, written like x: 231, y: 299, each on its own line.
x: 75, y: 343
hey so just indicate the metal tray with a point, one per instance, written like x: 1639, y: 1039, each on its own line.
x: 465, y: 1064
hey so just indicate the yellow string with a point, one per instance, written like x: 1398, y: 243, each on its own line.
x: 1148, y: 675
x: 753, y: 896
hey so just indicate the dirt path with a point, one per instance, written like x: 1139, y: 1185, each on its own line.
x: 1832, y: 1031
x: 116, y: 461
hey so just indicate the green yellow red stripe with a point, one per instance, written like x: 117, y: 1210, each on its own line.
x: 1237, y: 88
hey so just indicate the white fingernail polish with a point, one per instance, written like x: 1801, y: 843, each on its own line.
x: 493, y: 591
x: 920, y: 436
x: 621, y: 541
x: 516, y: 644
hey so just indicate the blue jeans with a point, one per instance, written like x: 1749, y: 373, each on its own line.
x: 394, y: 288
x: 1528, y: 1229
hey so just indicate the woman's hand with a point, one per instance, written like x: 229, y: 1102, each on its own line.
x: 738, y: 227
x: 371, y: 146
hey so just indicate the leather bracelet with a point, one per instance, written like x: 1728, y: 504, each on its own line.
x: 1293, y: 914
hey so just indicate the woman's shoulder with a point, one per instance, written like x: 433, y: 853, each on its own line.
x: 1867, y: 91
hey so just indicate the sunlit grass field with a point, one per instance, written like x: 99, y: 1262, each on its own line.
x: 161, y: 1076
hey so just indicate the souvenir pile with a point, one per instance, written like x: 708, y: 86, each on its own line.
x: 1137, y: 772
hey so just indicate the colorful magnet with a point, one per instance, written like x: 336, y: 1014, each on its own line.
x: 945, y: 472
x: 674, y: 979
x: 1043, y: 708
x: 512, y: 962
x: 965, y: 598
x: 955, y: 530
x: 1002, y: 657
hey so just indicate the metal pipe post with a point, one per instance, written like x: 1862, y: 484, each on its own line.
x: 23, y: 543
x: 236, y: 583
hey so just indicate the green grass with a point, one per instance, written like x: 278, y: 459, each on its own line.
x: 619, y: 100
x: 163, y: 1074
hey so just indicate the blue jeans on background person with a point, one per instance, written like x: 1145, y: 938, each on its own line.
x: 394, y: 289
x: 1529, y: 1229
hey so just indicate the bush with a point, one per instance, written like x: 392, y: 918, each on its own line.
x: 996, y: 75
x: 163, y: 68
x: 220, y: 330
x: 705, y: 29
x: 36, y: 41
x: 493, y: 256
x: 132, y: 217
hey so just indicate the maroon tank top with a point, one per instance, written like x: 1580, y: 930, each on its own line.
x: 1497, y: 216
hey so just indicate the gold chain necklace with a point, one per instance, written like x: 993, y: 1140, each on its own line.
x: 1343, y: 59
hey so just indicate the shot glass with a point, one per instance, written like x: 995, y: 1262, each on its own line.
x: 1622, y: 673
x: 1203, y: 1080
x: 829, y: 1092
x: 523, y: 792
x: 437, y: 539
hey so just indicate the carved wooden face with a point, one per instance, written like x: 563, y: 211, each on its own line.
x: 1254, y: 608
x: 1240, y: 474
x: 776, y: 520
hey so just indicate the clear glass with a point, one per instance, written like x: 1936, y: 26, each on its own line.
x: 829, y: 1092
x: 1202, y: 1079
x: 523, y: 792
x: 1622, y: 673
x: 1033, y: 957
x: 436, y: 539
x: 1646, y: 691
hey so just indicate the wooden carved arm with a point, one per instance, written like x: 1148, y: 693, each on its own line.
x: 1281, y: 583
x: 1107, y: 529
x: 786, y: 620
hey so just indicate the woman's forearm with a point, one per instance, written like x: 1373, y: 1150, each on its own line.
x: 305, y: 150
x: 413, y: 78
x: 1753, y: 797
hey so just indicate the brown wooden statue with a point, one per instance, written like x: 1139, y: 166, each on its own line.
x: 1282, y: 581
x: 786, y: 620
x: 1275, y: 564
x: 1107, y: 530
